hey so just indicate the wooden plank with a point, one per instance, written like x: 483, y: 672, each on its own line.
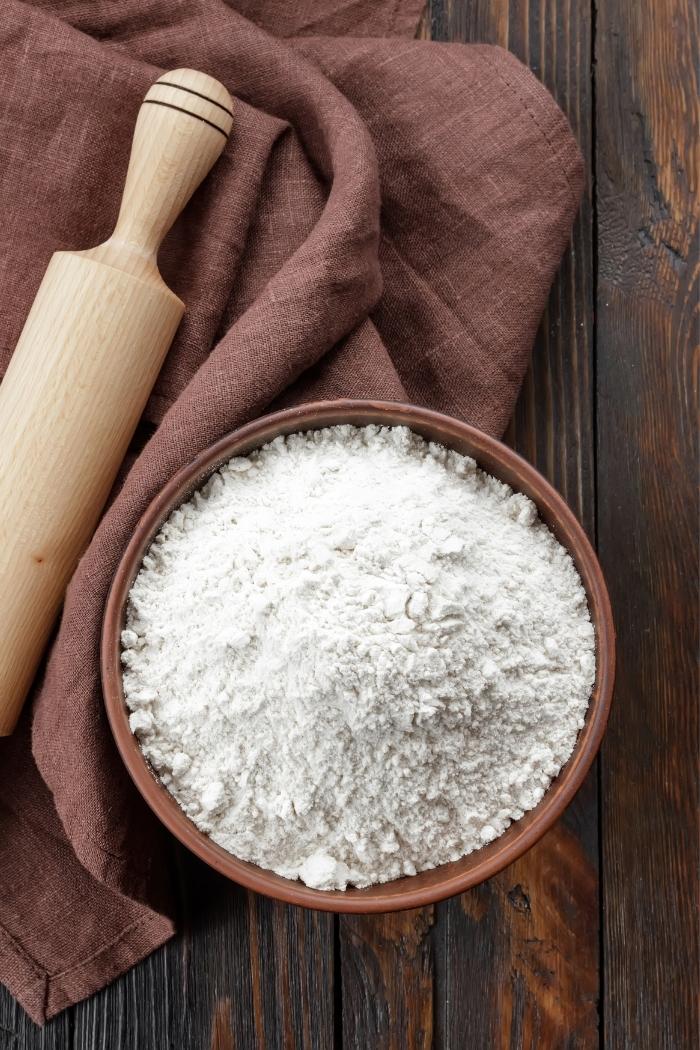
x: 387, y: 981
x: 517, y: 960
x: 647, y: 179
x: 294, y: 975
x: 244, y: 972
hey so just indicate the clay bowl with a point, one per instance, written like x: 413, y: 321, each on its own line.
x: 449, y: 879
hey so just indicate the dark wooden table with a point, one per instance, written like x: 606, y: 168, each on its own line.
x: 591, y: 938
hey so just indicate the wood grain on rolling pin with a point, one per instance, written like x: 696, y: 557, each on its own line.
x: 83, y: 369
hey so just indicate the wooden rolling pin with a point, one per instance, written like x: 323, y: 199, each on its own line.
x: 83, y: 369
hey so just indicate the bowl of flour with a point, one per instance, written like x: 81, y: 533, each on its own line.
x: 358, y: 656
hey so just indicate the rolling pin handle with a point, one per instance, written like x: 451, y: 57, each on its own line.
x: 181, y: 129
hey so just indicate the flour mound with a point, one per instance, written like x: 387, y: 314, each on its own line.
x: 354, y: 656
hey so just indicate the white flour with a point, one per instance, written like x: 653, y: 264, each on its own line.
x: 354, y: 656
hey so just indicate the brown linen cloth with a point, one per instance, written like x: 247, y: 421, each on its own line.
x: 281, y: 257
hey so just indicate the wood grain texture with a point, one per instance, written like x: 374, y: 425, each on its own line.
x: 387, y: 980
x: 516, y: 965
x: 647, y: 186
x: 74, y: 391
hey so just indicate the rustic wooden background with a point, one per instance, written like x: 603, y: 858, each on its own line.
x: 590, y: 940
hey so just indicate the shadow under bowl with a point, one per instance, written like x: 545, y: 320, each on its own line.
x: 495, y: 458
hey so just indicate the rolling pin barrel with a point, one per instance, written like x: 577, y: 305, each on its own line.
x: 83, y: 369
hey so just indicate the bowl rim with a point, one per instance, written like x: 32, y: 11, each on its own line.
x: 445, y: 880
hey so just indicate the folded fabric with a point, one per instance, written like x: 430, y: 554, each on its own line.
x: 385, y: 221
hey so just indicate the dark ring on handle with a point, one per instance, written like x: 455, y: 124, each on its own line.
x: 169, y: 105
x: 191, y: 91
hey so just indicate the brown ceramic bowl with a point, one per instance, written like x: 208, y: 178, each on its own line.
x: 448, y: 879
